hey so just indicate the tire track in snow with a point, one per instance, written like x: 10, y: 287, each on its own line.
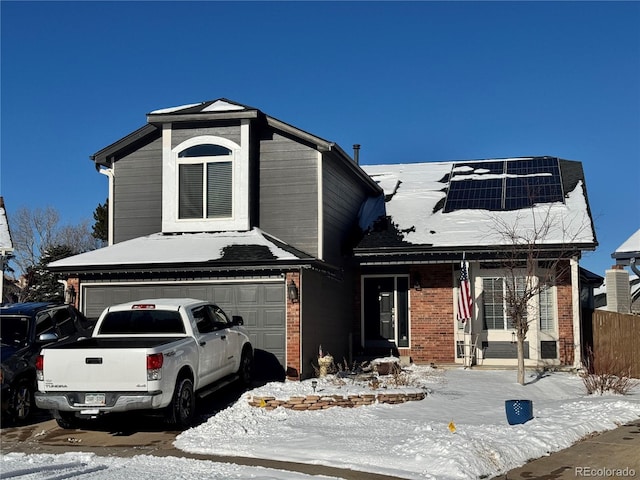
x: 59, y: 471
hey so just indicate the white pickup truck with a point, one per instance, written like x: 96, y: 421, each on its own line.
x: 146, y: 355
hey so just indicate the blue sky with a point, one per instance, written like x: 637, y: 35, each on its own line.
x: 409, y: 81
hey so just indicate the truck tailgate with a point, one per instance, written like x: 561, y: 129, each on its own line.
x: 78, y: 369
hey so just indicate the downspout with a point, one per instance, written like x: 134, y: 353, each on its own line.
x: 109, y: 173
x: 632, y: 264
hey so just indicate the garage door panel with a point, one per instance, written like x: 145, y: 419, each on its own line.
x: 271, y: 318
x: 273, y: 294
x: 221, y: 295
x: 250, y: 318
x: 170, y: 292
x: 196, y: 292
x: 272, y: 341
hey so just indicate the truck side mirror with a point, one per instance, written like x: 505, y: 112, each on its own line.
x: 47, y: 338
x: 237, y: 320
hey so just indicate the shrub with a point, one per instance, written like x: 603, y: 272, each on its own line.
x: 605, y: 374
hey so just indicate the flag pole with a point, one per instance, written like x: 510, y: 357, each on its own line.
x: 465, y: 305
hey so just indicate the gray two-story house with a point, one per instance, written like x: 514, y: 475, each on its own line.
x: 220, y: 201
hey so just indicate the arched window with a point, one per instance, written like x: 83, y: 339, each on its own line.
x: 205, y: 182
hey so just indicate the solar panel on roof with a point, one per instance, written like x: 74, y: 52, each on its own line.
x: 504, y: 184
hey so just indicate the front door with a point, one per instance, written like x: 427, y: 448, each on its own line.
x: 385, y: 311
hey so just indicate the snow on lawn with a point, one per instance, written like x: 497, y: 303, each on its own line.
x: 413, y: 440
x: 410, y: 440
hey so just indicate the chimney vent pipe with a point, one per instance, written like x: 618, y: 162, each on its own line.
x: 356, y: 153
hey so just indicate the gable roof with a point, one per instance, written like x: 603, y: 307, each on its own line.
x: 213, y: 110
x: 628, y: 250
x: 417, y: 196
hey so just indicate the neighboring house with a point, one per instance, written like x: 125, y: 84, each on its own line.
x: 6, y: 250
x: 621, y: 291
x: 440, y: 213
x: 220, y: 201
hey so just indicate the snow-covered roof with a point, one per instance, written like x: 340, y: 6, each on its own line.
x: 629, y: 249
x: 188, y: 248
x: 416, y: 193
x: 6, y: 245
x: 220, y: 105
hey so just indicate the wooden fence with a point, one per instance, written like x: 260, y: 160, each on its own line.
x: 616, y: 341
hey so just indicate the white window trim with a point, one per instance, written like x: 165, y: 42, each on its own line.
x: 240, y: 187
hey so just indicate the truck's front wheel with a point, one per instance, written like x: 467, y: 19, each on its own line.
x: 245, y: 372
x: 183, y: 405
x: 21, y: 405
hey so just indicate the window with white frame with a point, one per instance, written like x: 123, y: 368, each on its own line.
x: 546, y: 308
x: 205, y: 182
x: 494, y: 308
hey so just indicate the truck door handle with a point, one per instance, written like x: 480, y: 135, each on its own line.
x: 223, y: 337
x: 203, y: 343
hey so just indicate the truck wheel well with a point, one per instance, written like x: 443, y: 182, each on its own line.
x: 185, y: 372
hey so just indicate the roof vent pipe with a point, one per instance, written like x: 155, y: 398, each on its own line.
x: 356, y: 153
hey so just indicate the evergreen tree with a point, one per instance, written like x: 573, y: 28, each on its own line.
x: 43, y: 285
x: 101, y: 227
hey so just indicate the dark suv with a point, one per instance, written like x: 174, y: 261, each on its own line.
x: 24, y: 329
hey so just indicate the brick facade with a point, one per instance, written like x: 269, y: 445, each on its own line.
x: 431, y: 323
x: 432, y: 316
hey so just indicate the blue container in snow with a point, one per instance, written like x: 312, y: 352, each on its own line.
x: 518, y: 411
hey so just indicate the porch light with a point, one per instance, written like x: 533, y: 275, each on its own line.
x: 513, y: 337
x: 417, y: 281
x: 292, y: 292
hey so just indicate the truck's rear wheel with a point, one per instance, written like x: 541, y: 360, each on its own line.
x: 183, y: 405
x: 66, y: 420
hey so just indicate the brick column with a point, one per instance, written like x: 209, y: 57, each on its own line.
x: 75, y: 283
x: 293, y: 330
x: 565, y: 316
x: 432, y: 313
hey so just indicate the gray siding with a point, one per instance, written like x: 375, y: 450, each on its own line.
x: 261, y: 304
x: 342, y: 197
x: 137, y: 194
x: 288, y: 192
x: 327, y: 315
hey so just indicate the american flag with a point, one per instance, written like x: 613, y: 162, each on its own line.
x: 465, y: 301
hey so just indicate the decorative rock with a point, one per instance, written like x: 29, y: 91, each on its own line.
x: 317, y: 402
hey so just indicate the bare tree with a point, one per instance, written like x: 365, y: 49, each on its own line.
x: 32, y: 232
x: 532, y: 264
x: 35, y: 231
